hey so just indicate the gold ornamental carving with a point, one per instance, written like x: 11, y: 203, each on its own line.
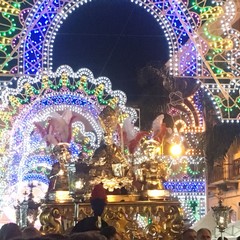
x: 133, y: 220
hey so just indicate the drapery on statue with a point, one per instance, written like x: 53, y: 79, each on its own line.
x: 58, y: 129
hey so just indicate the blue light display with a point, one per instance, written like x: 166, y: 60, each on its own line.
x: 190, y: 186
x: 42, y: 21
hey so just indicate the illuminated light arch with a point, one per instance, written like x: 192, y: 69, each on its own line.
x: 33, y: 101
x: 191, y: 110
x: 209, y: 55
x: 187, y: 181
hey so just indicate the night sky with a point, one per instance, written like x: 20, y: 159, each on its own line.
x: 113, y: 39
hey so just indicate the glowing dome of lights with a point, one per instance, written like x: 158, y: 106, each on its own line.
x: 71, y: 100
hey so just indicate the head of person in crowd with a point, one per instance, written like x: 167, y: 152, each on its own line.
x: 30, y: 232
x: 204, y: 234
x: 9, y: 231
x: 98, y: 202
x: 189, y: 234
x: 90, y: 235
x: 54, y: 236
x: 222, y: 238
x: 109, y: 232
x: 98, y: 199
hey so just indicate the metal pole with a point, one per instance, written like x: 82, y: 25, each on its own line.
x: 76, y: 211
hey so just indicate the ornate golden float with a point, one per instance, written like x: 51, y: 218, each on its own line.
x: 126, y: 161
x: 138, y: 205
x: 154, y: 219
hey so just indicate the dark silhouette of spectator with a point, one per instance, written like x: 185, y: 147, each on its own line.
x: 30, y: 232
x: 222, y: 238
x: 189, y: 234
x: 109, y: 232
x: 90, y: 235
x: 98, y: 202
x: 54, y: 236
x: 9, y: 231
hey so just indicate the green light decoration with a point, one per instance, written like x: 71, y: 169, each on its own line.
x: 195, y: 206
x: 218, y: 44
x: 10, y: 27
x: 191, y: 172
x: 30, y: 90
x: 215, y: 47
x: 199, y: 7
x: 227, y: 107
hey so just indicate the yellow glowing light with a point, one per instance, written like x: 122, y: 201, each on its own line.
x: 113, y: 101
x: 45, y: 81
x: 5, y: 41
x: 28, y: 89
x: 8, y: 8
x: 99, y: 89
x: 157, y: 194
x: 64, y: 77
x: 62, y: 196
x: 212, y: 13
x: 176, y: 149
x: 79, y: 184
x: 223, y: 44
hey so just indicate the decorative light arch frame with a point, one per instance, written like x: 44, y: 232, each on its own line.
x: 210, y: 56
x: 32, y: 101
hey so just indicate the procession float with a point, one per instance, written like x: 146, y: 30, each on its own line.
x: 70, y: 132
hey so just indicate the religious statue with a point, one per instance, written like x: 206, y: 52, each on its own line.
x: 109, y: 165
x: 109, y: 122
x: 58, y: 176
x: 152, y: 172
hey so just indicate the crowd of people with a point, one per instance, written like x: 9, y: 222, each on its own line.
x: 201, y: 234
x: 89, y: 228
x: 12, y: 231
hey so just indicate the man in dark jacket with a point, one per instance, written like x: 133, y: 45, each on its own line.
x: 98, y: 202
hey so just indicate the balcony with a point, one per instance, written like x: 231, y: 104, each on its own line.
x: 236, y: 169
x: 224, y: 177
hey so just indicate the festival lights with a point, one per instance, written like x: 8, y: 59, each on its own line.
x: 27, y: 46
x: 25, y: 106
x: 34, y: 43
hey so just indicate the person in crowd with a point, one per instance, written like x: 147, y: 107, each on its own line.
x: 98, y: 202
x: 9, y: 231
x: 90, y: 235
x: 30, y: 232
x: 204, y: 234
x: 109, y: 232
x: 189, y: 234
x: 55, y: 236
x: 238, y: 238
x: 222, y: 238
